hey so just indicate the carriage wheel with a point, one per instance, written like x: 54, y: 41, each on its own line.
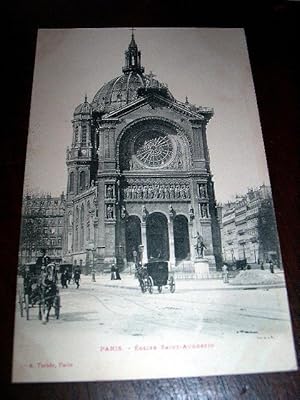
x: 57, y: 306
x: 142, y: 285
x: 172, y: 284
x: 20, y: 301
x: 27, y: 306
x: 43, y: 307
x: 150, y: 284
x: 159, y: 288
x: 40, y: 311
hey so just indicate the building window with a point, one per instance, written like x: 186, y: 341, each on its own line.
x: 71, y: 183
x: 76, y: 131
x: 82, y: 180
x: 83, y: 134
x: 82, y: 215
x: 82, y: 227
x: 76, y: 238
x: 88, y: 231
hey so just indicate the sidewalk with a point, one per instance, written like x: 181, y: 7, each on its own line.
x: 130, y: 282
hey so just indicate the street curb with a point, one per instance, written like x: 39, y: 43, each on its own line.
x: 206, y: 289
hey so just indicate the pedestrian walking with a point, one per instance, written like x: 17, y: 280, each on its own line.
x: 64, y: 279
x: 225, y: 273
x: 118, y: 277
x: 77, y: 273
x: 113, y: 272
x: 271, y: 267
x: 93, y: 275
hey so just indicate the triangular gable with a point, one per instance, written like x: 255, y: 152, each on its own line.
x: 181, y: 108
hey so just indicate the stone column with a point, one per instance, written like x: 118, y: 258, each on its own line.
x: 171, y: 242
x: 144, y: 242
x: 192, y: 242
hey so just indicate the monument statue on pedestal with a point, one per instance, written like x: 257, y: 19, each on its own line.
x: 199, y: 245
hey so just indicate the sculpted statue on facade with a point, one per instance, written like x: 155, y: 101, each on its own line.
x: 182, y: 192
x: 171, y: 211
x: 204, y: 210
x: 157, y: 191
x: 123, y: 212
x: 191, y: 213
x: 161, y: 192
x: 202, y: 190
x: 144, y: 213
x: 109, y: 191
x: 133, y: 192
x: 109, y: 212
x: 145, y: 192
x: 139, y: 192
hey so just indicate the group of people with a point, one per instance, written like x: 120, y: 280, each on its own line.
x: 67, y: 276
x: 269, y: 264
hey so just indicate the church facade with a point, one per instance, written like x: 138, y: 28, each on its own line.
x: 139, y: 179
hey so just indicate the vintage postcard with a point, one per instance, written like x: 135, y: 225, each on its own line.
x: 149, y: 246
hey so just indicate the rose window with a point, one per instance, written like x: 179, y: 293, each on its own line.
x: 153, y: 149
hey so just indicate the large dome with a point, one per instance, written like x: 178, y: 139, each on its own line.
x: 125, y: 88
x: 122, y: 90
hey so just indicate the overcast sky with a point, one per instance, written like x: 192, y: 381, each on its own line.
x: 210, y: 66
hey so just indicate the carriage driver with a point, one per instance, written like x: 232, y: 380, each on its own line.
x: 49, y: 288
x: 43, y: 260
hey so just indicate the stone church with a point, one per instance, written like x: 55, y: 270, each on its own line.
x: 139, y: 179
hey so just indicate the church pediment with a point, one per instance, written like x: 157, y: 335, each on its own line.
x: 153, y: 101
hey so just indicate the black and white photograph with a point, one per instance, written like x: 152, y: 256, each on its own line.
x: 148, y: 241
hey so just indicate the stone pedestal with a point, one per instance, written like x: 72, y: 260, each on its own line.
x: 201, y: 267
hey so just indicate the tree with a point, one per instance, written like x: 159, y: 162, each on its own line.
x: 267, y: 230
x: 33, y: 226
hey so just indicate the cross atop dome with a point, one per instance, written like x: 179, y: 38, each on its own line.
x: 133, y: 57
x: 132, y: 43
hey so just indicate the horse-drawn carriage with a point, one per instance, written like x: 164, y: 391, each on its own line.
x: 236, y: 265
x: 155, y: 273
x: 39, y: 290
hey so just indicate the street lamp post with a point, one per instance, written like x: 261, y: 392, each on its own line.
x: 244, y: 252
x: 93, y: 266
x: 141, y: 251
x: 91, y: 250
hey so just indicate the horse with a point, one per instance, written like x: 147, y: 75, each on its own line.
x: 49, y: 293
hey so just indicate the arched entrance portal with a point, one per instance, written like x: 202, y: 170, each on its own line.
x: 181, y: 238
x: 157, y: 236
x: 133, y: 236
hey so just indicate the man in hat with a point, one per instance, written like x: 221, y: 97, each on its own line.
x: 43, y: 260
x: 77, y: 273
